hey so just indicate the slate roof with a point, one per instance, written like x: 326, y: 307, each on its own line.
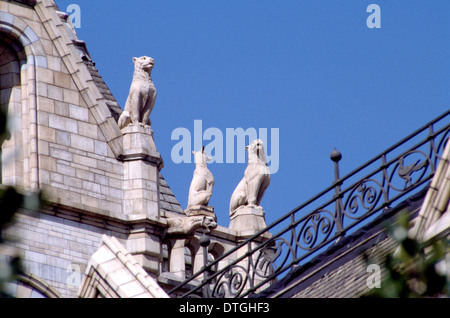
x: 113, y: 106
x: 81, y: 47
x: 167, y: 200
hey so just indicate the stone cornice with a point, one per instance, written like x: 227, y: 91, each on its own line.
x: 123, y: 225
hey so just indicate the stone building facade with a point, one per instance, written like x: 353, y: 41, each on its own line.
x: 99, y: 183
x: 104, y: 230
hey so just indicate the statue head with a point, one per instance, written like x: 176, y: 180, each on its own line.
x: 256, y: 150
x: 144, y: 62
x: 209, y: 223
x: 201, y: 156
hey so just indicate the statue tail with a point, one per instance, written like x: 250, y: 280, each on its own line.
x: 124, y: 119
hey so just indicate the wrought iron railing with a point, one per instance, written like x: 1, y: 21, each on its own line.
x: 307, y: 230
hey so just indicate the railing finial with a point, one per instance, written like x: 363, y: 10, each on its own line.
x: 336, y: 156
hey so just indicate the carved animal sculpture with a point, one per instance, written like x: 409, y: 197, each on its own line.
x: 202, y: 182
x: 142, y: 95
x: 186, y: 226
x: 250, y: 190
x: 405, y: 172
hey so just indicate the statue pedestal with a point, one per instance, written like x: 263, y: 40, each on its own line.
x: 248, y: 220
x: 142, y: 163
x: 138, y: 143
x: 198, y: 210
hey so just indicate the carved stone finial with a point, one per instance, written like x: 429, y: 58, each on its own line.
x: 202, y: 184
x: 247, y: 216
x: 142, y: 95
x: 256, y: 179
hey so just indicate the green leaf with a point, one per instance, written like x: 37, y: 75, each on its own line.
x: 10, y: 202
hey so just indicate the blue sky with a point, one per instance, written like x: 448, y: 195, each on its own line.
x: 312, y: 69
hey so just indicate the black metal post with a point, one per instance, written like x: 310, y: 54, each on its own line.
x: 204, y: 243
x: 336, y: 156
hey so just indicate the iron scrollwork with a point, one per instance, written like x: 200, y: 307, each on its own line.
x: 363, y: 198
x: 229, y: 284
x: 317, y: 228
x: 387, y: 182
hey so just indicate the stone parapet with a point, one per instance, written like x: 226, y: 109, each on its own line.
x: 248, y: 220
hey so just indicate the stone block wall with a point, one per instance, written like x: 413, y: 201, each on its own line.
x: 62, y: 148
x: 66, y: 143
x: 56, y: 248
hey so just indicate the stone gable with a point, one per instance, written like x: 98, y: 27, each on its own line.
x: 96, y: 179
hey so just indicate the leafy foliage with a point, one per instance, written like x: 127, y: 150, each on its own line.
x: 415, y: 269
x: 11, y: 200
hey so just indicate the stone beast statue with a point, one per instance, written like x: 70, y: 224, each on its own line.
x: 186, y: 226
x: 202, y: 182
x: 142, y: 95
x: 250, y: 190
